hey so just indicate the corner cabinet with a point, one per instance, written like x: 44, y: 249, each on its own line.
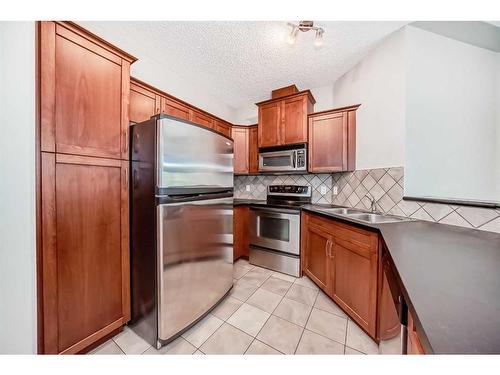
x: 343, y: 261
x: 83, y: 248
x: 283, y: 121
x: 332, y: 140
x: 246, y: 151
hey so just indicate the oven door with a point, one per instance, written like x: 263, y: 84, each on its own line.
x: 275, y: 228
x: 277, y: 161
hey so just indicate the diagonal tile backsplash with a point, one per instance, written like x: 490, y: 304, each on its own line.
x: 385, y: 184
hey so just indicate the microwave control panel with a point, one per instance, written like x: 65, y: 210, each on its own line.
x: 301, y: 158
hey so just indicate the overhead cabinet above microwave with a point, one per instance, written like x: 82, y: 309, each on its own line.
x: 283, y: 121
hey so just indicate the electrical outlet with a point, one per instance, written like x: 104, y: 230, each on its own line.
x: 247, y: 187
x: 335, y: 190
x: 322, y: 190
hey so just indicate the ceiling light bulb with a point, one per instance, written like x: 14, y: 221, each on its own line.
x: 318, y: 41
x: 292, y: 36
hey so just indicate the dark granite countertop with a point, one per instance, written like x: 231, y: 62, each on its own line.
x: 450, y: 277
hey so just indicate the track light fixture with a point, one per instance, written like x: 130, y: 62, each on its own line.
x: 305, y: 26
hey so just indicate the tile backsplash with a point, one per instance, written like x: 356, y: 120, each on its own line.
x: 386, y: 186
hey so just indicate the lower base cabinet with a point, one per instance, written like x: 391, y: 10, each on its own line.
x: 240, y: 232
x: 85, y: 264
x: 343, y: 261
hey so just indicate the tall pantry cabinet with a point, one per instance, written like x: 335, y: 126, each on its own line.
x: 83, y: 256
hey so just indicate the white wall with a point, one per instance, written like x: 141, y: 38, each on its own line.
x: 248, y: 115
x: 378, y: 82
x: 451, y: 118
x: 17, y: 188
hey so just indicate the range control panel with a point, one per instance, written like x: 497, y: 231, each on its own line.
x: 303, y: 190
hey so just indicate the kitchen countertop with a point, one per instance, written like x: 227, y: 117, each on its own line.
x: 450, y: 277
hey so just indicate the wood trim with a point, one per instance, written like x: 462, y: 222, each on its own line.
x: 81, y: 345
x: 38, y: 196
x: 300, y: 93
x: 351, y: 140
x: 47, y: 50
x: 87, y: 160
x: 284, y: 91
x: 137, y: 87
x: 125, y: 237
x: 125, y: 103
x: 49, y: 259
x: 334, y: 110
x: 82, y: 32
x: 86, y: 43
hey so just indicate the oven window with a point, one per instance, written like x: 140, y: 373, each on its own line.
x: 274, y: 228
x: 276, y: 161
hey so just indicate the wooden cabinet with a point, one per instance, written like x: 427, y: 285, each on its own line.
x: 283, y: 121
x: 84, y: 93
x: 222, y: 127
x: 253, y: 149
x: 203, y: 119
x: 240, y: 139
x: 316, y: 246
x: 270, y: 124
x: 343, y: 261
x: 332, y: 140
x: 246, y: 151
x: 414, y: 346
x: 354, y: 286
x: 144, y: 102
x: 240, y: 232
x: 175, y: 108
x: 85, y: 231
x: 83, y: 251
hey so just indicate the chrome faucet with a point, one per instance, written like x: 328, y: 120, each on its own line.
x: 373, y: 202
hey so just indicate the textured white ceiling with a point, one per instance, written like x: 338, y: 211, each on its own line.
x: 241, y: 62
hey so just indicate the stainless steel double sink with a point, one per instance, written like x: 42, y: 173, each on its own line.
x: 367, y: 217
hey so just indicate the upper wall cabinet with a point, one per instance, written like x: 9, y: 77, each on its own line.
x: 84, y: 93
x: 245, y: 149
x: 283, y: 121
x: 144, y: 102
x: 332, y: 140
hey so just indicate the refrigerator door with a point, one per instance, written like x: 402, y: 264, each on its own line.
x: 192, y: 159
x: 195, y: 261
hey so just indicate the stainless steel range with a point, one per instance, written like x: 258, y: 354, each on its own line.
x: 275, y: 228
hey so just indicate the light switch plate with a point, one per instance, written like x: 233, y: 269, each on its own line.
x: 335, y: 190
x: 247, y: 187
x: 322, y: 190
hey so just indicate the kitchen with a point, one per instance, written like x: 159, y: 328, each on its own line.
x: 266, y: 208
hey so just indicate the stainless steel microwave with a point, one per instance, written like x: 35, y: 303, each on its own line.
x: 293, y: 159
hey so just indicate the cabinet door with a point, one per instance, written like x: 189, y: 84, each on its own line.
x: 240, y: 138
x: 202, y: 119
x: 354, y: 285
x: 294, y: 120
x: 253, y: 150
x: 240, y: 232
x: 84, y: 95
x: 85, y: 250
x: 316, y: 245
x: 328, y: 143
x: 143, y: 103
x: 174, y: 108
x: 269, y: 124
x: 222, y: 127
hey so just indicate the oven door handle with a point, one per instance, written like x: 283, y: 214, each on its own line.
x: 275, y: 210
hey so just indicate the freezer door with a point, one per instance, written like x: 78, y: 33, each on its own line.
x: 192, y: 157
x: 195, y: 261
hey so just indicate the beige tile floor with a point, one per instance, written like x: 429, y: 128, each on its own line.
x: 266, y: 313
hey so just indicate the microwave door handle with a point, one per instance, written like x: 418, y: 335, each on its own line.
x: 294, y: 157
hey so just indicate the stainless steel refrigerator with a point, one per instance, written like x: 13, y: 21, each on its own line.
x: 181, y: 225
